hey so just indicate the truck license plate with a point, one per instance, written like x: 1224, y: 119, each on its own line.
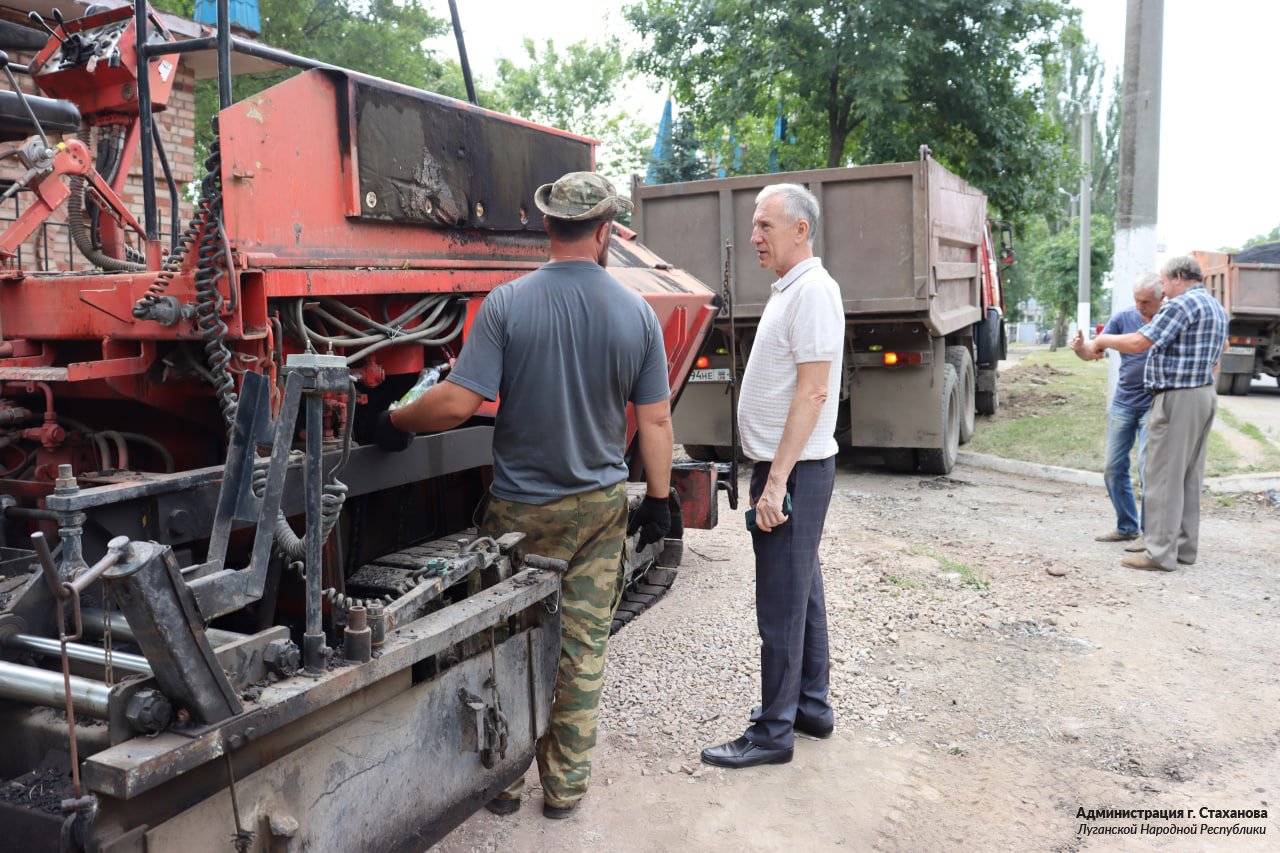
x: 709, y: 374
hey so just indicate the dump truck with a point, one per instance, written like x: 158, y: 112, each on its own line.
x: 912, y: 250
x: 1247, y: 283
x: 228, y: 619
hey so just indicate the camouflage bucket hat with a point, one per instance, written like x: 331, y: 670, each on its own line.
x: 580, y: 195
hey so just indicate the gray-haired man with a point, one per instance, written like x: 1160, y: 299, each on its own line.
x: 1127, y: 418
x: 787, y: 417
x: 1185, y: 339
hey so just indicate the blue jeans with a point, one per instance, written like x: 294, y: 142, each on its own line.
x: 1124, y: 425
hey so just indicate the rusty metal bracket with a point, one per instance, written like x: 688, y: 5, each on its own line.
x: 167, y: 625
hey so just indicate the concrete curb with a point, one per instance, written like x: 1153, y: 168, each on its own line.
x: 1031, y: 469
x: 1236, y: 483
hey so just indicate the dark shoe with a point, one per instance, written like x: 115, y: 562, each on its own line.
x: 557, y: 812
x: 1143, y: 561
x: 821, y: 732
x: 501, y: 806
x: 1116, y: 536
x: 740, y: 753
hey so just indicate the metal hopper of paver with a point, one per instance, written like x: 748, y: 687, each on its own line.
x: 1248, y: 285
x: 911, y: 247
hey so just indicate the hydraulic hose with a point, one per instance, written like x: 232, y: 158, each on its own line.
x: 82, y: 233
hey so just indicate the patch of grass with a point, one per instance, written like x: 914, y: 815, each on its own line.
x: 1268, y: 456
x: 958, y: 751
x: 905, y: 583
x: 1224, y: 500
x: 1067, y: 426
x: 968, y: 575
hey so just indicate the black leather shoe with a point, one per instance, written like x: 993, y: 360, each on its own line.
x: 740, y: 753
x: 500, y: 806
x: 805, y: 727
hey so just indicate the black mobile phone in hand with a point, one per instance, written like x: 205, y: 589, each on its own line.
x: 751, y: 513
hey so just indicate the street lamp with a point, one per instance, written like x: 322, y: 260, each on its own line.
x: 1086, y: 162
x: 1072, y: 198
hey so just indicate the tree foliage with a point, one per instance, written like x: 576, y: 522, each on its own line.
x: 576, y: 89
x: 1052, y: 264
x: 1271, y: 236
x: 685, y: 161
x: 1072, y: 77
x: 868, y: 81
x: 383, y: 38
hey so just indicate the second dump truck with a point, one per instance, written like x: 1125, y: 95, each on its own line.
x: 912, y: 250
x: 1247, y: 284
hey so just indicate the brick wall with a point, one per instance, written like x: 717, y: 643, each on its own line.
x: 50, y: 247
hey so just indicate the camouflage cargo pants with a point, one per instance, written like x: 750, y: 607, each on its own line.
x: 588, y: 531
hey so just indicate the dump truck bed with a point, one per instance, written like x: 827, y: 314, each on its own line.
x: 902, y: 239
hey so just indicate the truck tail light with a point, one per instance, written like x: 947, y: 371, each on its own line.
x: 702, y: 362
x: 892, y: 359
x: 1241, y: 340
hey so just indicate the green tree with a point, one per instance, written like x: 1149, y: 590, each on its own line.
x: 686, y: 161
x: 869, y: 81
x: 577, y: 90
x: 383, y: 38
x: 1052, y: 264
x: 1270, y: 237
x: 1071, y: 72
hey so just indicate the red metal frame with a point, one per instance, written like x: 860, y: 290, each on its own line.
x: 287, y: 181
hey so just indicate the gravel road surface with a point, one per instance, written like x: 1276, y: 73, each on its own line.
x: 995, y: 671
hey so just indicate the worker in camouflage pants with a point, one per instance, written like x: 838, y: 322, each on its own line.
x: 587, y: 531
x: 565, y: 348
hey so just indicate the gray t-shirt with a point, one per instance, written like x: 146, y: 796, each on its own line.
x: 565, y: 347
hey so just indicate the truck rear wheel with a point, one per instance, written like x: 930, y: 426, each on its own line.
x: 959, y: 358
x: 1223, y: 383
x: 1240, y: 384
x: 940, y: 460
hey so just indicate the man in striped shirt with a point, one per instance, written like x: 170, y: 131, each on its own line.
x: 1185, y: 340
x: 787, y: 418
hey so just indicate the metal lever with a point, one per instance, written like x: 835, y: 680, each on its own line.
x: 47, y: 565
x: 17, y: 90
x: 35, y: 16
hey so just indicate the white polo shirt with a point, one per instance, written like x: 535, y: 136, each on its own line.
x: 803, y: 321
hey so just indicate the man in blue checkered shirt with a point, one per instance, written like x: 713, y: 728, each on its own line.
x: 1183, y: 343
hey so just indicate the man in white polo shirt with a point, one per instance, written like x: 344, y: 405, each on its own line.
x: 787, y: 417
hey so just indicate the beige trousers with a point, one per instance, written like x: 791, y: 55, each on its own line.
x: 1177, y: 442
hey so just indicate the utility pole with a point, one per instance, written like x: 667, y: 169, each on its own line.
x: 1137, y: 197
x: 1083, y: 294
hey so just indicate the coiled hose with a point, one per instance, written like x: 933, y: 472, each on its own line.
x: 211, y: 269
x: 173, y: 264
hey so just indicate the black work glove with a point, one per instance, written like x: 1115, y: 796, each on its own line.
x: 653, y: 519
x: 388, y: 436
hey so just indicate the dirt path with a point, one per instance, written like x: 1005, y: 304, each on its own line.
x: 981, y: 701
